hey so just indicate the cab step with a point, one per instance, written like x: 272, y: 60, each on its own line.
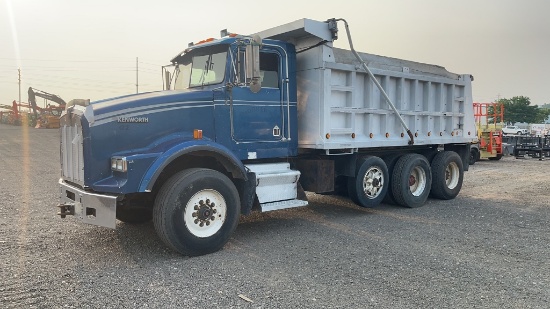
x: 282, y: 205
x: 276, y: 186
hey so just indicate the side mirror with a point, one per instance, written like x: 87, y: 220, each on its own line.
x: 253, y: 63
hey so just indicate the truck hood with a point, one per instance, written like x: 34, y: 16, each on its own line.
x: 139, y: 105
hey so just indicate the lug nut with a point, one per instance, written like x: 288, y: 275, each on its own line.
x: 212, y: 218
x: 194, y: 214
x: 202, y: 224
x: 196, y: 221
x: 207, y: 223
x: 207, y: 201
x: 196, y: 207
x: 212, y: 205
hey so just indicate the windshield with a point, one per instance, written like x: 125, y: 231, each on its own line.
x: 205, y: 68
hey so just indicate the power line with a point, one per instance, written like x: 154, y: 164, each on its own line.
x: 156, y: 65
x: 80, y: 79
x: 64, y: 60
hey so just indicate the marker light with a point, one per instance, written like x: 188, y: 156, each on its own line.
x: 197, y: 134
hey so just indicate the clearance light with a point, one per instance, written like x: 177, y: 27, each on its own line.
x: 197, y: 134
x: 205, y: 41
x: 119, y: 164
x: 224, y: 33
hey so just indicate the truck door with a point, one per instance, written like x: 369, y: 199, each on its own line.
x: 259, y: 117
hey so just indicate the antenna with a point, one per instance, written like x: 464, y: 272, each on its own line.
x: 19, y: 73
x: 137, y: 76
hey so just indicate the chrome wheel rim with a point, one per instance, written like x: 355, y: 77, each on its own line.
x: 373, y: 182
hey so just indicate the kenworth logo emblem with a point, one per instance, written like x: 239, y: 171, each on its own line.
x: 133, y: 119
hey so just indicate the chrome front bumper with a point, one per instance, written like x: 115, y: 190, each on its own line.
x: 91, y: 208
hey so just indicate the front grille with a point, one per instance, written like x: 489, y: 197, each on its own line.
x: 72, y: 156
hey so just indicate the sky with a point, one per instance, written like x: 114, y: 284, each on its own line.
x: 96, y: 49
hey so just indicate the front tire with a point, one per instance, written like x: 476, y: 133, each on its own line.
x: 411, y: 180
x: 196, y: 211
x: 370, y: 184
x: 447, y: 175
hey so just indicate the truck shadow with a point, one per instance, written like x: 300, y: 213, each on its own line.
x: 139, y: 243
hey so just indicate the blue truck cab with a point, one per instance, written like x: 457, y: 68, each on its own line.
x: 118, y: 153
x: 252, y: 122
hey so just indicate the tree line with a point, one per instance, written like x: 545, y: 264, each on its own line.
x: 519, y: 109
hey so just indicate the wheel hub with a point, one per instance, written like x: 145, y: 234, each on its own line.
x: 452, y: 175
x: 412, y: 180
x: 204, y: 212
x: 417, y: 181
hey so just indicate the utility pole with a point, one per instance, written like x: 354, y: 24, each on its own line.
x: 19, y: 74
x: 137, y: 76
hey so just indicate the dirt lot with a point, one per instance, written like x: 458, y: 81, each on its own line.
x: 488, y: 248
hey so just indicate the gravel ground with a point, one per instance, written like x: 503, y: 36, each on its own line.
x: 488, y: 248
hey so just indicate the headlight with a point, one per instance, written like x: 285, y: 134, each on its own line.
x: 119, y: 164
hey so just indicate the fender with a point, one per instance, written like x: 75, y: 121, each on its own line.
x: 222, y: 153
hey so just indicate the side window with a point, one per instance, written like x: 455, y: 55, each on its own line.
x: 269, y: 70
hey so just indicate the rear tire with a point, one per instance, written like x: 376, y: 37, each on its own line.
x: 411, y: 180
x: 370, y: 184
x: 390, y: 160
x: 196, y: 211
x: 447, y: 175
x: 473, y: 156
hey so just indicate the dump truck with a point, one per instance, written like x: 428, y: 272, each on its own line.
x: 252, y: 122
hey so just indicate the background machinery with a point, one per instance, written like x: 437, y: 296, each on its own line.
x: 48, y: 116
x: 489, y: 122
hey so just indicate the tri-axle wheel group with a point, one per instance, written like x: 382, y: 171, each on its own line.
x: 406, y: 179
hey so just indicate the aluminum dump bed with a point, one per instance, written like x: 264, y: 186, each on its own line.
x: 339, y: 106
